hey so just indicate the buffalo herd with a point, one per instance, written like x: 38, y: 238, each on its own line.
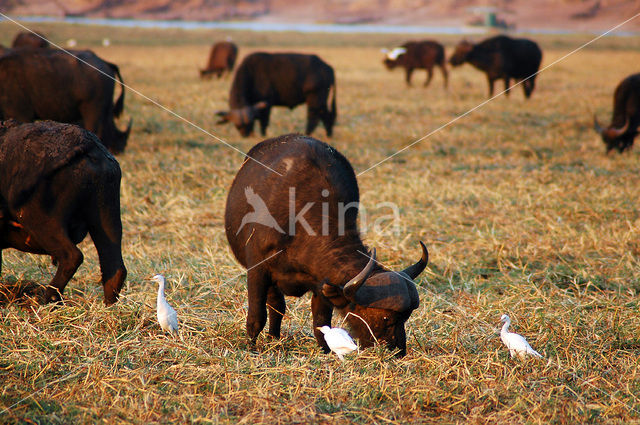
x: 60, y: 182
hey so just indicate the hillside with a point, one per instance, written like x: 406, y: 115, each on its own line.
x: 581, y: 15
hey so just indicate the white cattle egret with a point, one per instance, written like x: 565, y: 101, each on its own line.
x: 338, y: 340
x: 397, y: 51
x: 72, y: 42
x: 167, y: 316
x: 514, y: 342
x: 106, y: 42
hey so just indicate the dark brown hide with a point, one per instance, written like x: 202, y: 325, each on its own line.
x: 58, y: 183
x: 40, y: 84
x: 264, y: 80
x: 318, y: 252
x: 29, y: 39
x: 625, y: 119
x: 502, y: 57
x: 420, y: 55
x: 221, y: 59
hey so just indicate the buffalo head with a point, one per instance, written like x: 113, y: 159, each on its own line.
x: 616, y: 138
x: 459, y: 56
x: 243, y: 118
x: 384, y: 300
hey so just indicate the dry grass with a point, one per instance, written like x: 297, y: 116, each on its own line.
x: 521, y: 210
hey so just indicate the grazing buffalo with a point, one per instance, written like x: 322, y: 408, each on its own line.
x: 417, y: 55
x: 502, y: 57
x: 264, y: 80
x: 626, y: 116
x: 58, y: 183
x: 30, y: 39
x: 51, y: 84
x: 293, y: 225
x: 221, y: 59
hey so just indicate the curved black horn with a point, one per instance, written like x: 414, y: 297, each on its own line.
x: 352, y: 286
x: 414, y: 270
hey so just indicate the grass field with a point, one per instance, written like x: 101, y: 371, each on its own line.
x: 521, y: 210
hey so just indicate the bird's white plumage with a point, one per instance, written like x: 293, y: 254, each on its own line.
x: 514, y: 342
x: 338, y: 340
x: 167, y: 316
x: 395, y: 52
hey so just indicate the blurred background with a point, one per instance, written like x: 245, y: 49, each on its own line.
x: 522, y: 15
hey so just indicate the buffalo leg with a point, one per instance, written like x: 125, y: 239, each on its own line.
x: 322, y: 312
x: 277, y: 307
x: 400, y: 337
x: 257, y: 287
x: 328, y: 118
x: 445, y: 75
x: 490, y: 80
x: 315, y: 105
x: 328, y: 121
x: 528, y: 86
x: 408, y: 73
x: 106, y: 233
x: 264, y: 120
x: 507, y: 83
x: 429, y: 76
x: 53, y: 238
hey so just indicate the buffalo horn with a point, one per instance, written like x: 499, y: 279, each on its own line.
x: 414, y: 270
x: 613, y: 132
x: 352, y: 286
x: 596, y: 125
x: 224, y: 117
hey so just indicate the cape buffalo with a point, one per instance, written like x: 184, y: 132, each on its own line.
x: 417, y: 55
x: 502, y: 57
x: 294, y: 227
x: 51, y: 84
x: 264, y: 80
x: 58, y: 183
x: 626, y: 116
x: 221, y: 59
x: 30, y: 39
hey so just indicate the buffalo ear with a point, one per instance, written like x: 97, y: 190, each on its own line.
x: 334, y: 294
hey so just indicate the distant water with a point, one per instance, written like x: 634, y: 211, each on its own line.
x: 261, y: 26
x: 298, y: 27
